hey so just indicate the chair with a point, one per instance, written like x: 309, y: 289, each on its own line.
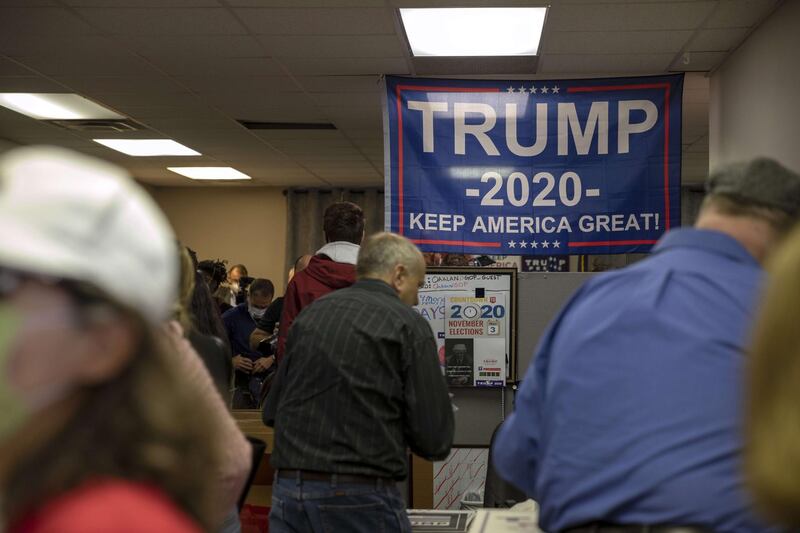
x: 259, y: 447
x: 497, y: 491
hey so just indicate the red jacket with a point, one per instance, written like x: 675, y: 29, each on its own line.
x: 321, y: 276
x: 110, y: 505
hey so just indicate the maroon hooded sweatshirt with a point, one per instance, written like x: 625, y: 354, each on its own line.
x: 321, y: 276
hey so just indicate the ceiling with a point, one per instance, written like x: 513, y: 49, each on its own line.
x: 189, y: 69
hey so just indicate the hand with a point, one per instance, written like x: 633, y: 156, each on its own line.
x: 242, y: 363
x: 263, y: 364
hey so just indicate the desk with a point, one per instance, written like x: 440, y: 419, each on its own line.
x: 249, y: 421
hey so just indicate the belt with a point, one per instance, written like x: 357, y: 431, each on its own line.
x: 604, y: 527
x: 307, y: 475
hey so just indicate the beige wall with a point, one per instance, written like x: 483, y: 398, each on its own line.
x: 246, y: 225
x: 754, y: 95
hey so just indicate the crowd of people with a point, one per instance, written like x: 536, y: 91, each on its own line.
x: 650, y: 405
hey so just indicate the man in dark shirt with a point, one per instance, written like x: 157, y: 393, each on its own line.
x: 265, y: 327
x: 360, y: 384
x: 250, y: 365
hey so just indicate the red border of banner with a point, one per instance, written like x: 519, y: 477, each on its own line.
x: 598, y: 88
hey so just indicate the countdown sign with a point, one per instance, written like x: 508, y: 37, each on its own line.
x: 533, y: 167
x: 471, y: 314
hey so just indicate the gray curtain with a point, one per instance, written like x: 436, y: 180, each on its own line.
x: 305, y: 208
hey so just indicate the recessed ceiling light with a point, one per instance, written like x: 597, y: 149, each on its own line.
x: 210, y: 173
x: 474, y: 31
x: 147, y: 147
x: 55, y: 106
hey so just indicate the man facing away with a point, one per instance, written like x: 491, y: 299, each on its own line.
x: 360, y: 384
x: 630, y: 413
x: 333, y: 266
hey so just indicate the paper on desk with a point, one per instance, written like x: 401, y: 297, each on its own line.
x: 504, y: 521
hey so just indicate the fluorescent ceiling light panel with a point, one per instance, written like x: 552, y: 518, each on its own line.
x: 147, y: 147
x: 474, y: 31
x: 210, y: 173
x: 56, y: 106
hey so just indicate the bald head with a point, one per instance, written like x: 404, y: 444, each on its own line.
x: 395, y: 260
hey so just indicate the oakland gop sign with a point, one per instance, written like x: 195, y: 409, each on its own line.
x: 533, y: 167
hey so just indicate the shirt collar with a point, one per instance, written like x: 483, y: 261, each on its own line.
x: 707, y: 240
x: 375, y: 285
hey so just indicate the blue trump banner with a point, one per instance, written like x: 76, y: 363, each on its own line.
x: 534, y: 167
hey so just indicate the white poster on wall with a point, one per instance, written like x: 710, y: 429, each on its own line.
x: 471, y: 318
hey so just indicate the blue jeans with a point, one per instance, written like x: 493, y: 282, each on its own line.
x: 329, y: 507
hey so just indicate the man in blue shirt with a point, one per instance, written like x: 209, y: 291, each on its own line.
x: 631, y: 411
x: 250, y: 365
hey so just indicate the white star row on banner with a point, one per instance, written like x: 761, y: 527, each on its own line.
x: 533, y: 89
x: 534, y: 244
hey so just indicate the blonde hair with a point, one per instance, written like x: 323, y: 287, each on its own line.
x: 772, y: 457
x: 186, y: 288
x: 142, y: 425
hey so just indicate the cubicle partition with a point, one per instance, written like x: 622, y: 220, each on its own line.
x: 539, y: 299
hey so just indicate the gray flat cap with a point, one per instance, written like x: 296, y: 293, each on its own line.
x: 762, y: 182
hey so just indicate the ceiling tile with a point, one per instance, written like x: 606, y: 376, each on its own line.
x: 142, y: 3
x: 475, y: 65
x: 340, y: 66
x: 41, y: 21
x: 13, y: 68
x: 274, y: 113
x: 32, y: 44
x: 190, y: 107
x: 334, y: 148
x: 171, y: 98
x: 699, y: 61
x: 720, y: 40
x: 30, y: 3
x: 307, y: 136
x: 165, y: 21
x: 188, y: 46
x: 30, y: 84
x: 627, y: 17
x: 337, y: 84
x: 740, y: 13
x: 623, y: 42
x: 217, y: 66
x: 307, y: 3
x: 192, y: 123
x: 343, y: 21
x: 333, y: 45
x: 57, y: 64
x: 620, y: 63
x: 234, y: 85
x: 128, y: 84
x: 358, y: 122
x: 349, y: 99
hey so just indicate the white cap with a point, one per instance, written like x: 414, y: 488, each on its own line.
x: 74, y: 217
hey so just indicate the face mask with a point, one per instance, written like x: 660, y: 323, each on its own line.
x: 255, y: 312
x: 18, y: 406
x: 15, y: 411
